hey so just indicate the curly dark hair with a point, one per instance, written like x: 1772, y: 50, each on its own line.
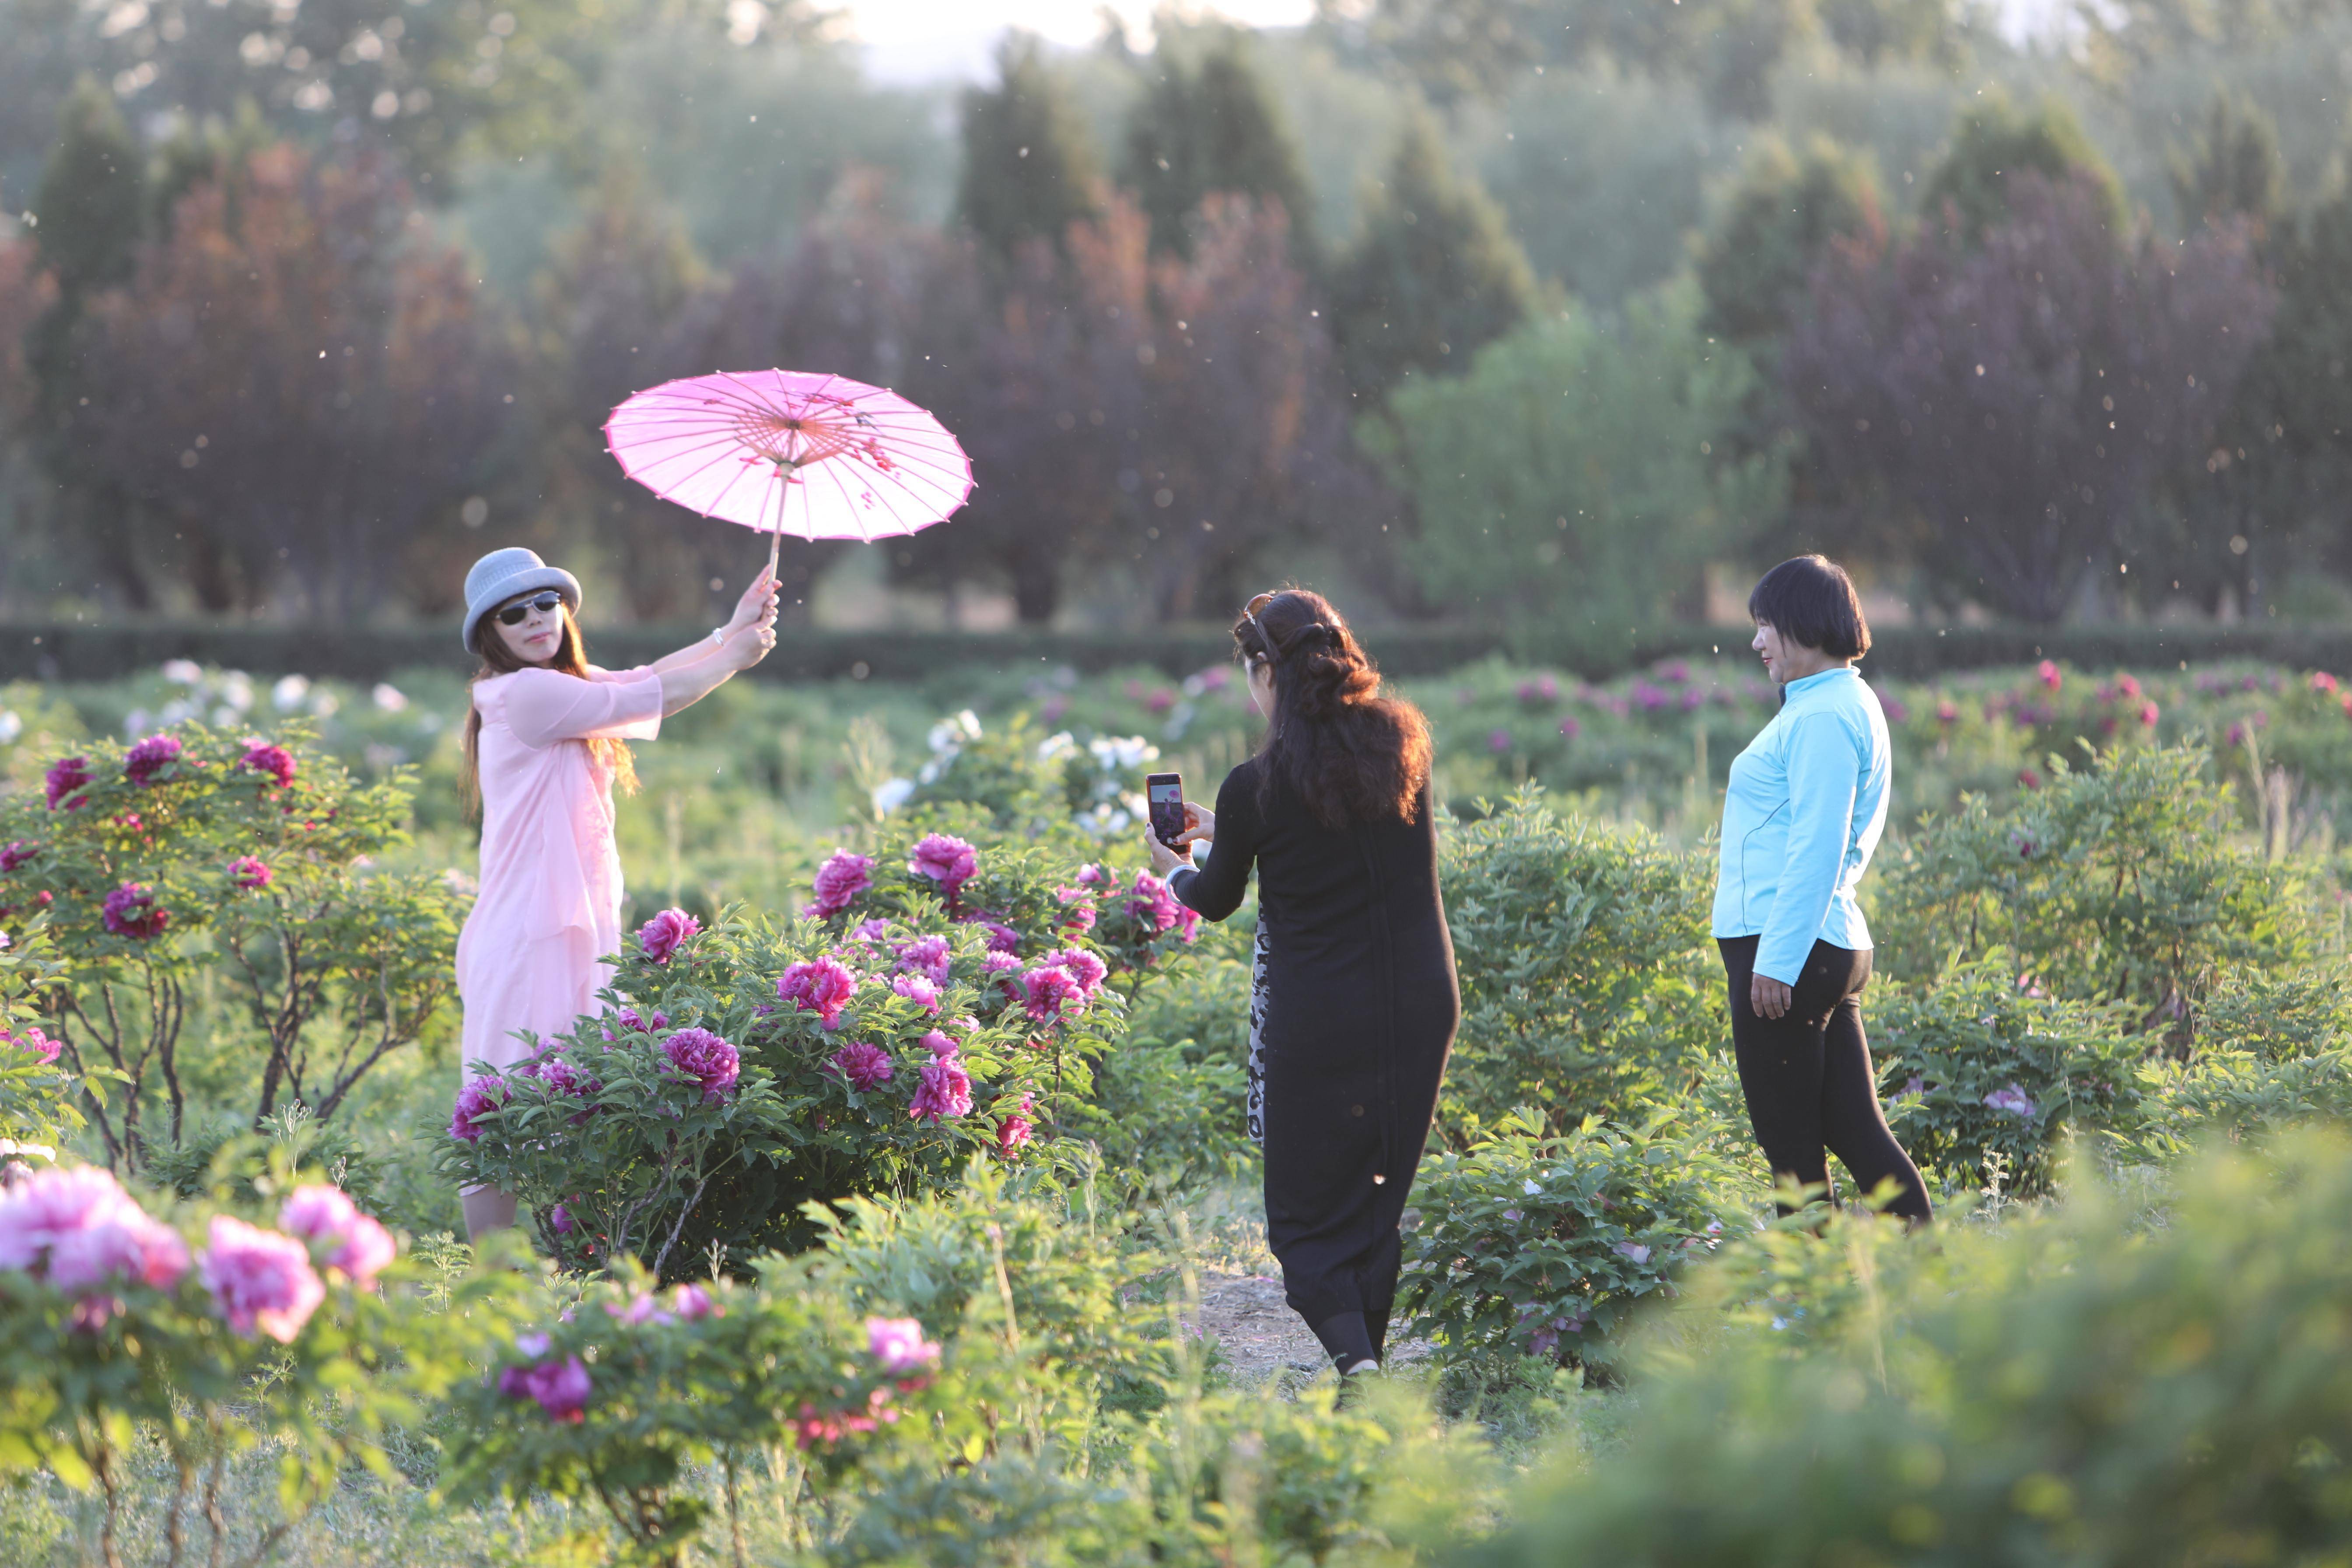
x: 1352, y: 754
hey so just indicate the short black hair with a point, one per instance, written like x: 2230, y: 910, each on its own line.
x: 1810, y: 600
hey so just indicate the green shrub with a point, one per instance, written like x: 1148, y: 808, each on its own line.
x: 1539, y: 1243
x: 1588, y: 986
x: 1170, y: 1103
x: 2094, y: 1393
x: 2239, y: 1092
x: 2117, y: 882
x: 38, y: 1105
x: 2278, y: 1014
x: 1975, y: 1068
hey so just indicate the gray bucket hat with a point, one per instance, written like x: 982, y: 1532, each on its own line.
x: 503, y: 574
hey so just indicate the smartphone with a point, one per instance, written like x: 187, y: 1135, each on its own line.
x: 1165, y: 792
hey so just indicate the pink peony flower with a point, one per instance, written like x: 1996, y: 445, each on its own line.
x: 1188, y: 924
x: 67, y: 775
x: 2048, y: 673
x: 562, y: 1388
x: 1085, y: 968
x: 930, y: 957
x: 123, y: 1245
x: 950, y: 862
x: 249, y: 873
x: 478, y: 1095
x: 42, y: 1208
x: 704, y: 1057
x: 870, y: 930
x: 131, y: 911
x: 898, y: 1344
x: 17, y: 854
x: 1014, y: 1130
x: 1050, y: 992
x: 1151, y: 904
x: 559, y: 1219
x: 1002, y: 938
x: 661, y: 935
x: 261, y: 757
x: 34, y: 1040
x: 340, y: 1236
x: 1089, y: 876
x: 918, y: 989
x: 999, y: 963
x: 260, y: 1279
x: 946, y: 1091
x: 839, y: 882
x: 940, y: 1045
x: 693, y: 1303
x: 150, y: 757
x: 2012, y: 1100
x: 822, y: 986
x: 864, y: 1066
x: 2148, y: 714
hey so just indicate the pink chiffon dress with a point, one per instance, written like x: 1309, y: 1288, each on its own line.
x: 549, y: 901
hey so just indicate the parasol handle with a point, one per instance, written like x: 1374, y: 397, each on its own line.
x: 776, y: 536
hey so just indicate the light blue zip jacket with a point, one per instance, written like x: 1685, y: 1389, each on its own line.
x: 1806, y: 805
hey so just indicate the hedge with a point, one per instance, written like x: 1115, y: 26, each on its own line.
x: 106, y: 650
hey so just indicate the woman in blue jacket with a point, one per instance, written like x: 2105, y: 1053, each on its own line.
x: 1805, y: 807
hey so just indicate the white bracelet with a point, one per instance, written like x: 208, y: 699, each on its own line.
x: 718, y: 637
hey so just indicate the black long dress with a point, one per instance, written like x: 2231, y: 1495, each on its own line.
x: 1359, y: 1006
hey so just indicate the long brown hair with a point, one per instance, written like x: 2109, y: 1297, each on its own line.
x: 1352, y: 754
x: 570, y: 659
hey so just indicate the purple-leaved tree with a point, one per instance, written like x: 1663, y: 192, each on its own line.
x: 2022, y: 393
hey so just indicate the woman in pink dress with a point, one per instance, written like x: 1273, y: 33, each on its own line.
x: 545, y: 744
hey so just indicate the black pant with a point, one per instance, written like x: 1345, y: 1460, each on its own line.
x: 1807, y: 1075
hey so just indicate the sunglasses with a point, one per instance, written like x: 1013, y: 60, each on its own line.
x: 512, y: 615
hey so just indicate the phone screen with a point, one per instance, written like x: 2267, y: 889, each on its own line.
x: 1165, y: 792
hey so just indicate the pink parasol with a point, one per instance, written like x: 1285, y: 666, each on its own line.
x: 817, y: 457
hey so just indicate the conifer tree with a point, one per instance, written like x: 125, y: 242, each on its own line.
x: 1208, y: 129
x: 1754, y: 265
x: 2234, y: 170
x: 1028, y: 172
x: 1996, y: 142
x: 1434, y: 276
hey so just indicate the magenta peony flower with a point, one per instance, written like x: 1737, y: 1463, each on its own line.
x: 1151, y: 904
x: 661, y: 935
x: 44, y: 1208
x: 249, y: 873
x: 870, y: 930
x: 950, y: 862
x: 940, y: 1045
x: 17, y: 854
x: 930, y: 957
x: 261, y: 757
x: 131, y: 911
x: 1188, y: 924
x: 83, y: 1231
x: 66, y: 775
x: 999, y: 963
x: 1085, y: 968
x: 150, y: 757
x: 1002, y: 938
x: 1013, y: 1131
x: 2149, y: 713
x: 822, y: 986
x: 559, y: 1220
x: 898, y: 1344
x: 693, y: 1303
x: 865, y: 1066
x: 1051, y: 992
x: 1090, y: 875
x: 918, y: 989
x: 562, y: 1388
x: 478, y: 1095
x: 340, y: 1236
x: 703, y: 1057
x: 260, y: 1279
x: 839, y: 882
x: 630, y: 1018
x: 34, y: 1040
x: 1079, y: 905
x: 2048, y: 672
x: 946, y: 1091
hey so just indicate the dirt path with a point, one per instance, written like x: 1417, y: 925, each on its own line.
x: 1262, y: 1337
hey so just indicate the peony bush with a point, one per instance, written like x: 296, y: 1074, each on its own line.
x: 202, y: 857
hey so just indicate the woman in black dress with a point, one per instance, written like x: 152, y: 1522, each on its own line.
x: 1356, y: 1000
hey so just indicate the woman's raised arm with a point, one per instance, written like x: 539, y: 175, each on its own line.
x: 757, y: 607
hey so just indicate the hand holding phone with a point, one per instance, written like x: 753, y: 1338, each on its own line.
x: 1164, y: 794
